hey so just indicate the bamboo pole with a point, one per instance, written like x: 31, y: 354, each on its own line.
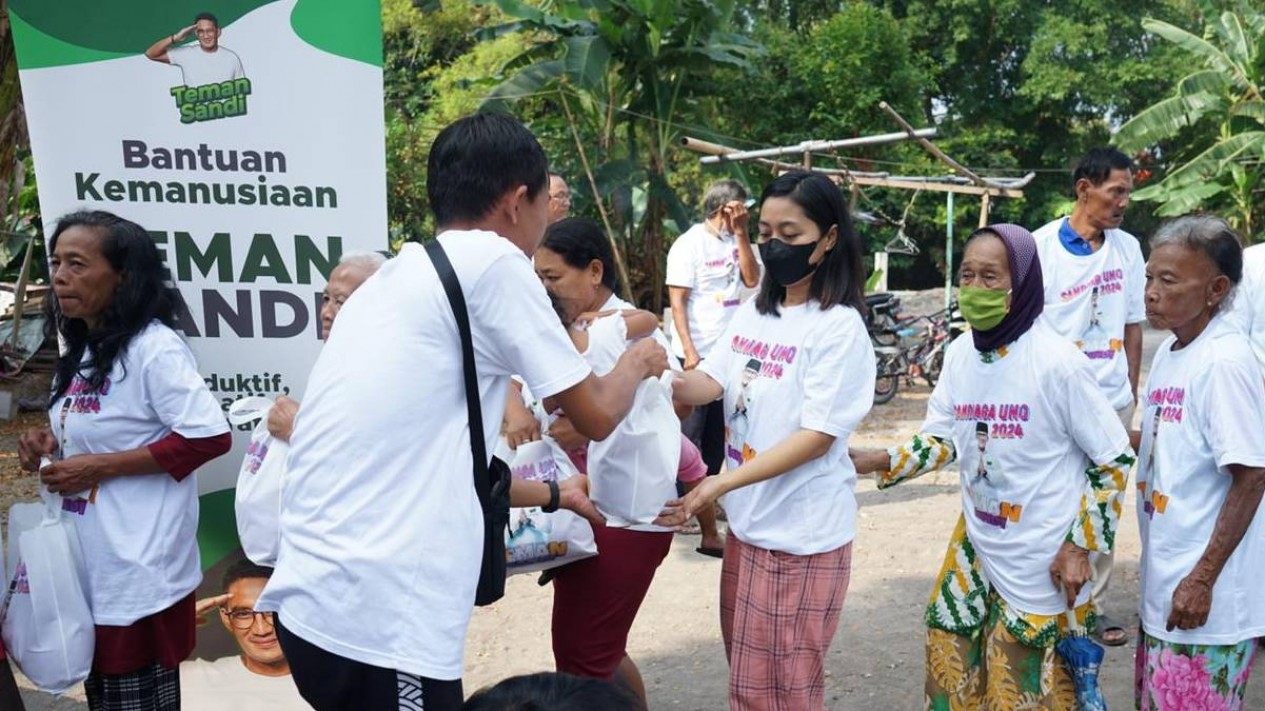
x: 821, y: 146
x: 931, y: 147
x: 597, y: 197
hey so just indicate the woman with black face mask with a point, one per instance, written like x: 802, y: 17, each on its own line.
x: 796, y: 371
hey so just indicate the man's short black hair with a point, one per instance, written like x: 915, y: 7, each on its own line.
x: 1098, y: 163
x: 243, y: 569
x: 207, y: 16
x: 476, y: 160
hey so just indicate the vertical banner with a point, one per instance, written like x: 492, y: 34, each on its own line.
x: 247, y: 137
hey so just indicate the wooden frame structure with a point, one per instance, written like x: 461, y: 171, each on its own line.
x: 963, y: 182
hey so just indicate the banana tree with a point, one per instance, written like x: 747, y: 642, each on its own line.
x: 1219, y: 112
x: 629, y: 74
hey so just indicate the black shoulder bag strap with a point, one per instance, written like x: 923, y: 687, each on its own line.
x: 491, y: 480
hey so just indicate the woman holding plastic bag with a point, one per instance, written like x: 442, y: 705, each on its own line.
x: 131, y: 420
x: 596, y: 599
x: 796, y: 371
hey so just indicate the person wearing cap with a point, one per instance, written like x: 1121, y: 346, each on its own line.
x: 1043, y: 470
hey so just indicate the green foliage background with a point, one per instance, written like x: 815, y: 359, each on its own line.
x: 1013, y: 86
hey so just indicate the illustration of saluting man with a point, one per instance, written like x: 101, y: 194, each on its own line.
x: 204, y: 63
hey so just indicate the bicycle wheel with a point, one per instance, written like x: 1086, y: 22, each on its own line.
x: 887, y: 381
x: 931, y: 372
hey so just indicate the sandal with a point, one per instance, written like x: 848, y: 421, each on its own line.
x: 1111, y: 633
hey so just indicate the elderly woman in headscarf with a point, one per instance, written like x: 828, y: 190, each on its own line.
x: 1043, y: 466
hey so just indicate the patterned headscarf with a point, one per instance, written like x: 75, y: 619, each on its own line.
x: 1027, y: 288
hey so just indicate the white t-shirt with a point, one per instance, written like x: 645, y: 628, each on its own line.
x: 1090, y: 298
x: 227, y: 684
x: 807, y: 369
x: 381, y: 530
x: 608, y: 339
x: 138, y: 534
x: 1247, y: 310
x: 1204, y: 409
x: 201, y: 67
x: 707, y: 265
x: 1045, y: 420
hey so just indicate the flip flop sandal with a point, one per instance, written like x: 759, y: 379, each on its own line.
x: 713, y: 552
x: 1110, y: 632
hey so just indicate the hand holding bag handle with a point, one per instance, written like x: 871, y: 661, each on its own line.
x: 491, y: 480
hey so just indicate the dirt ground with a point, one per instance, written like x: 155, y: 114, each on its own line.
x: 876, y: 661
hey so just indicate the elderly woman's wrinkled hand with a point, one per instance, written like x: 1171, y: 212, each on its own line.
x: 1070, y: 571
x: 1192, y: 601
x: 73, y: 474
x: 281, y: 418
x: 34, y: 444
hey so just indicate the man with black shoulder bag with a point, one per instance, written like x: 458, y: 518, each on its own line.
x: 389, y: 498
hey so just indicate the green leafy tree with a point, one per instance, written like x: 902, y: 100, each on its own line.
x: 628, y: 74
x: 1212, y: 129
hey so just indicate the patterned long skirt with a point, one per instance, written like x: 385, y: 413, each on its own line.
x: 1169, y: 676
x: 985, y: 655
x: 994, y: 671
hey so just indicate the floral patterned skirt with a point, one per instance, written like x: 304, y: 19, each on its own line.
x: 1170, y: 676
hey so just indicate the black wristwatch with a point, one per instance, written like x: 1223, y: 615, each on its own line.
x: 554, y: 498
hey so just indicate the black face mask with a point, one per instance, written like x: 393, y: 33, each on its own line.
x: 787, y: 263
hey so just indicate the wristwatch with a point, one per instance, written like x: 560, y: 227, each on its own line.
x: 554, y: 498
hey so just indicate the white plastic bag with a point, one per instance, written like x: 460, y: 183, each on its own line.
x: 48, y: 627
x: 259, y: 482
x: 537, y: 540
x: 632, y: 473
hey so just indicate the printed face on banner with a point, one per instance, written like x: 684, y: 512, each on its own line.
x: 251, y: 148
x: 255, y: 632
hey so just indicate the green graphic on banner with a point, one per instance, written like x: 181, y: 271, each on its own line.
x: 217, y: 527
x: 341, y: 27
x: 64, y: 33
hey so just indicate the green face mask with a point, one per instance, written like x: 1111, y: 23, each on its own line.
x: 983, y: 308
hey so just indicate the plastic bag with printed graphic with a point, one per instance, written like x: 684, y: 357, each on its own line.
x: 536, y: 540
x: 259, y: 482
x: 632, y: 473
x: 47, y: 622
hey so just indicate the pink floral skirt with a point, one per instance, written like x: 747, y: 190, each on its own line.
x: 1170, y: 676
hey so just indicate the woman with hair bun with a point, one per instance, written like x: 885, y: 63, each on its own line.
x: 1201, y: 478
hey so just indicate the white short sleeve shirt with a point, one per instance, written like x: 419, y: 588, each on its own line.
x: 805, y: 369
x: 201, y: 67
x: 1203, y: 409
x: 381, y: 530
x: 1026, y: 423
x: 1089, y: 299
x: 707, y: 265
x: 138, y: 534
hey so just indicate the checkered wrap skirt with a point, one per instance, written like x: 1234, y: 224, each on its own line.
x: 154, y: 688
x: 778, y: 614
